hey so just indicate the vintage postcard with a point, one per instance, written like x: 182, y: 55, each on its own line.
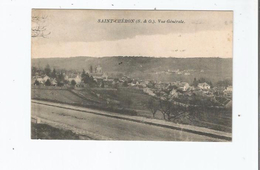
x: 131, y: 75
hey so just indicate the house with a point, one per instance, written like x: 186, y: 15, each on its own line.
x: 53, y: 82
x: 99, y: 69
x: 192, y: 88
x: 143, y: 84
x: 174, y: 93
x: 180, y: 72
x: 109, y: 79
x: 228, y: 91
x: 203, y: 86
x: 40, y: 80
x: 45, y: 78
x: 105, y: 76
x: 183, y: 86
x: 77, y: 79
x: 66, y: 77
x: 148, y: 91
x: 163, y: 98
x: 132, y: 84
x: 159, y: 86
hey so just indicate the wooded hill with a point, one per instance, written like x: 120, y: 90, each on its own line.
x: 214, y: 69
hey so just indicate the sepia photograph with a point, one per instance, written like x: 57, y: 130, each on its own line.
x: 135, y: 75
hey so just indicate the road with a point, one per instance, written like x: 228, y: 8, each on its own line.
x: 100, y: 127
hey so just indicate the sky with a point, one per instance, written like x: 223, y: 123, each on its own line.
x: 72, y: 33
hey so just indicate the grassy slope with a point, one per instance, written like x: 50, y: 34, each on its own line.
x: 43, y: 131
x: 70, y: 97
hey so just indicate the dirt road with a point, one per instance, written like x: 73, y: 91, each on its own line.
x: 108, y: 128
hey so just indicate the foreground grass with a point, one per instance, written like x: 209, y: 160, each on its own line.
x: 43, y: 131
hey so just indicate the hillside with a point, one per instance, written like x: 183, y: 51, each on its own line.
x: 214, y: 69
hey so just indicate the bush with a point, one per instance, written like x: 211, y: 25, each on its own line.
x: 48, y: 83
x: 36, y: 82
x: 73, y: 82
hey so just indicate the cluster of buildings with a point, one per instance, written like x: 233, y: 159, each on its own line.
x: 162, y: 90
x: 177, y: 90
x: 37, y: 80
x: 67, y: 78
x: 179, y: 72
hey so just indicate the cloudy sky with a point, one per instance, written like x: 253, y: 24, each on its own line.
x: 71, y: 33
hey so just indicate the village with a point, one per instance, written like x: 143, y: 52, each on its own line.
x: 200, y: 92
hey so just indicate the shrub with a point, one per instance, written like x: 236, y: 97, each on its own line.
x: 73, y: 82
x: 36, y: 82
x: 48, y: 83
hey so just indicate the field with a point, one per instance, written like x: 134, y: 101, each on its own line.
x: 78, y: 98
x: 132, y: 102
x: 63, y: 96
